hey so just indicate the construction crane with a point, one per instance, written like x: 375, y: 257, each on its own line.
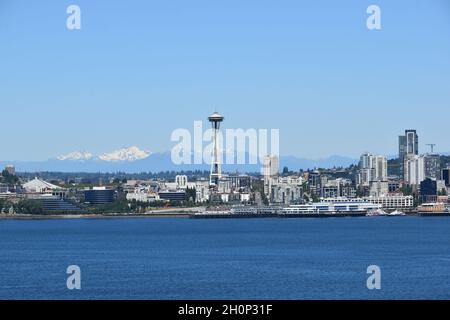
x: 431, y: 145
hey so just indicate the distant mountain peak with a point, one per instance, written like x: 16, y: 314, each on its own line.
x: 76, y: 156
x: 125, y: 154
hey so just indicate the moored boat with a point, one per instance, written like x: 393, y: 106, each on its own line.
x: 397, y: 213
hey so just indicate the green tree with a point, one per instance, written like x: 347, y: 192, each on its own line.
x: 9, y: 178
x: 191, y: 194
x: 407, y: 190
x: 29, y: 207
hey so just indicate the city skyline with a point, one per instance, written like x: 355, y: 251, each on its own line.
x: 220, y: 156
x: 320, y: 76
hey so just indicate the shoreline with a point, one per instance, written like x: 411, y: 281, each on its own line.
x: 164, y: 213
x: 90, y: 216
x: 179, y: 214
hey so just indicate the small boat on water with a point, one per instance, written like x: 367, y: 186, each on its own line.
x: 376, y: 213
x: 397, y: 213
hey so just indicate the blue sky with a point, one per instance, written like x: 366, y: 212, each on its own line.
x: 137, y: 70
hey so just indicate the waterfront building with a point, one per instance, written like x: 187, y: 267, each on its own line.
x: 55, y: 204
x: 436, y: 208
x: 332, y: 207
x: 393, y: 202
x: 389, y: 202
x: 99, y: 195
x: 43, y: 187
x: 172, y: 195
x: 142, y: 194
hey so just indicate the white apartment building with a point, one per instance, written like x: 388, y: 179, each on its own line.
x: 271, y: 167
x: 286, y: 190
x: 414, y: 169
x: 393, y: 201
x: 202, y: 190
x: 181, y: 182
x: 142, y: 194
x: 372, y: 168
x: 379, y: 188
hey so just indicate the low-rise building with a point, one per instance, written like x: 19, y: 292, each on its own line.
x: 99, y: 195
x: 387, y: 202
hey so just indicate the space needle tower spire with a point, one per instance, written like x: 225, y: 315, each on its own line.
x: 216, y: 169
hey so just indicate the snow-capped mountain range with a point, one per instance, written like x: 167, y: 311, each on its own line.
x: 135, y: 160
x: 125, y: 154
x: 76, y: 156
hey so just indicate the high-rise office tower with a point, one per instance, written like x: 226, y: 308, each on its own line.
x: 408, y: 146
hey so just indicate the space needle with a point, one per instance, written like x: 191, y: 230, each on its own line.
x: 216, y: 169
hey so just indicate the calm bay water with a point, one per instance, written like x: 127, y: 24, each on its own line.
x: 226, y: 259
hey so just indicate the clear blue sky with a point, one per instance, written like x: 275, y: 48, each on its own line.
x: 139, y: 69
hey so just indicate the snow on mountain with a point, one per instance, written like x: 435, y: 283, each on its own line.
x: 76, y: 156
x: 125, y: 154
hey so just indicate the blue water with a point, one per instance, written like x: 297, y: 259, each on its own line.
x: 226, y: 259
